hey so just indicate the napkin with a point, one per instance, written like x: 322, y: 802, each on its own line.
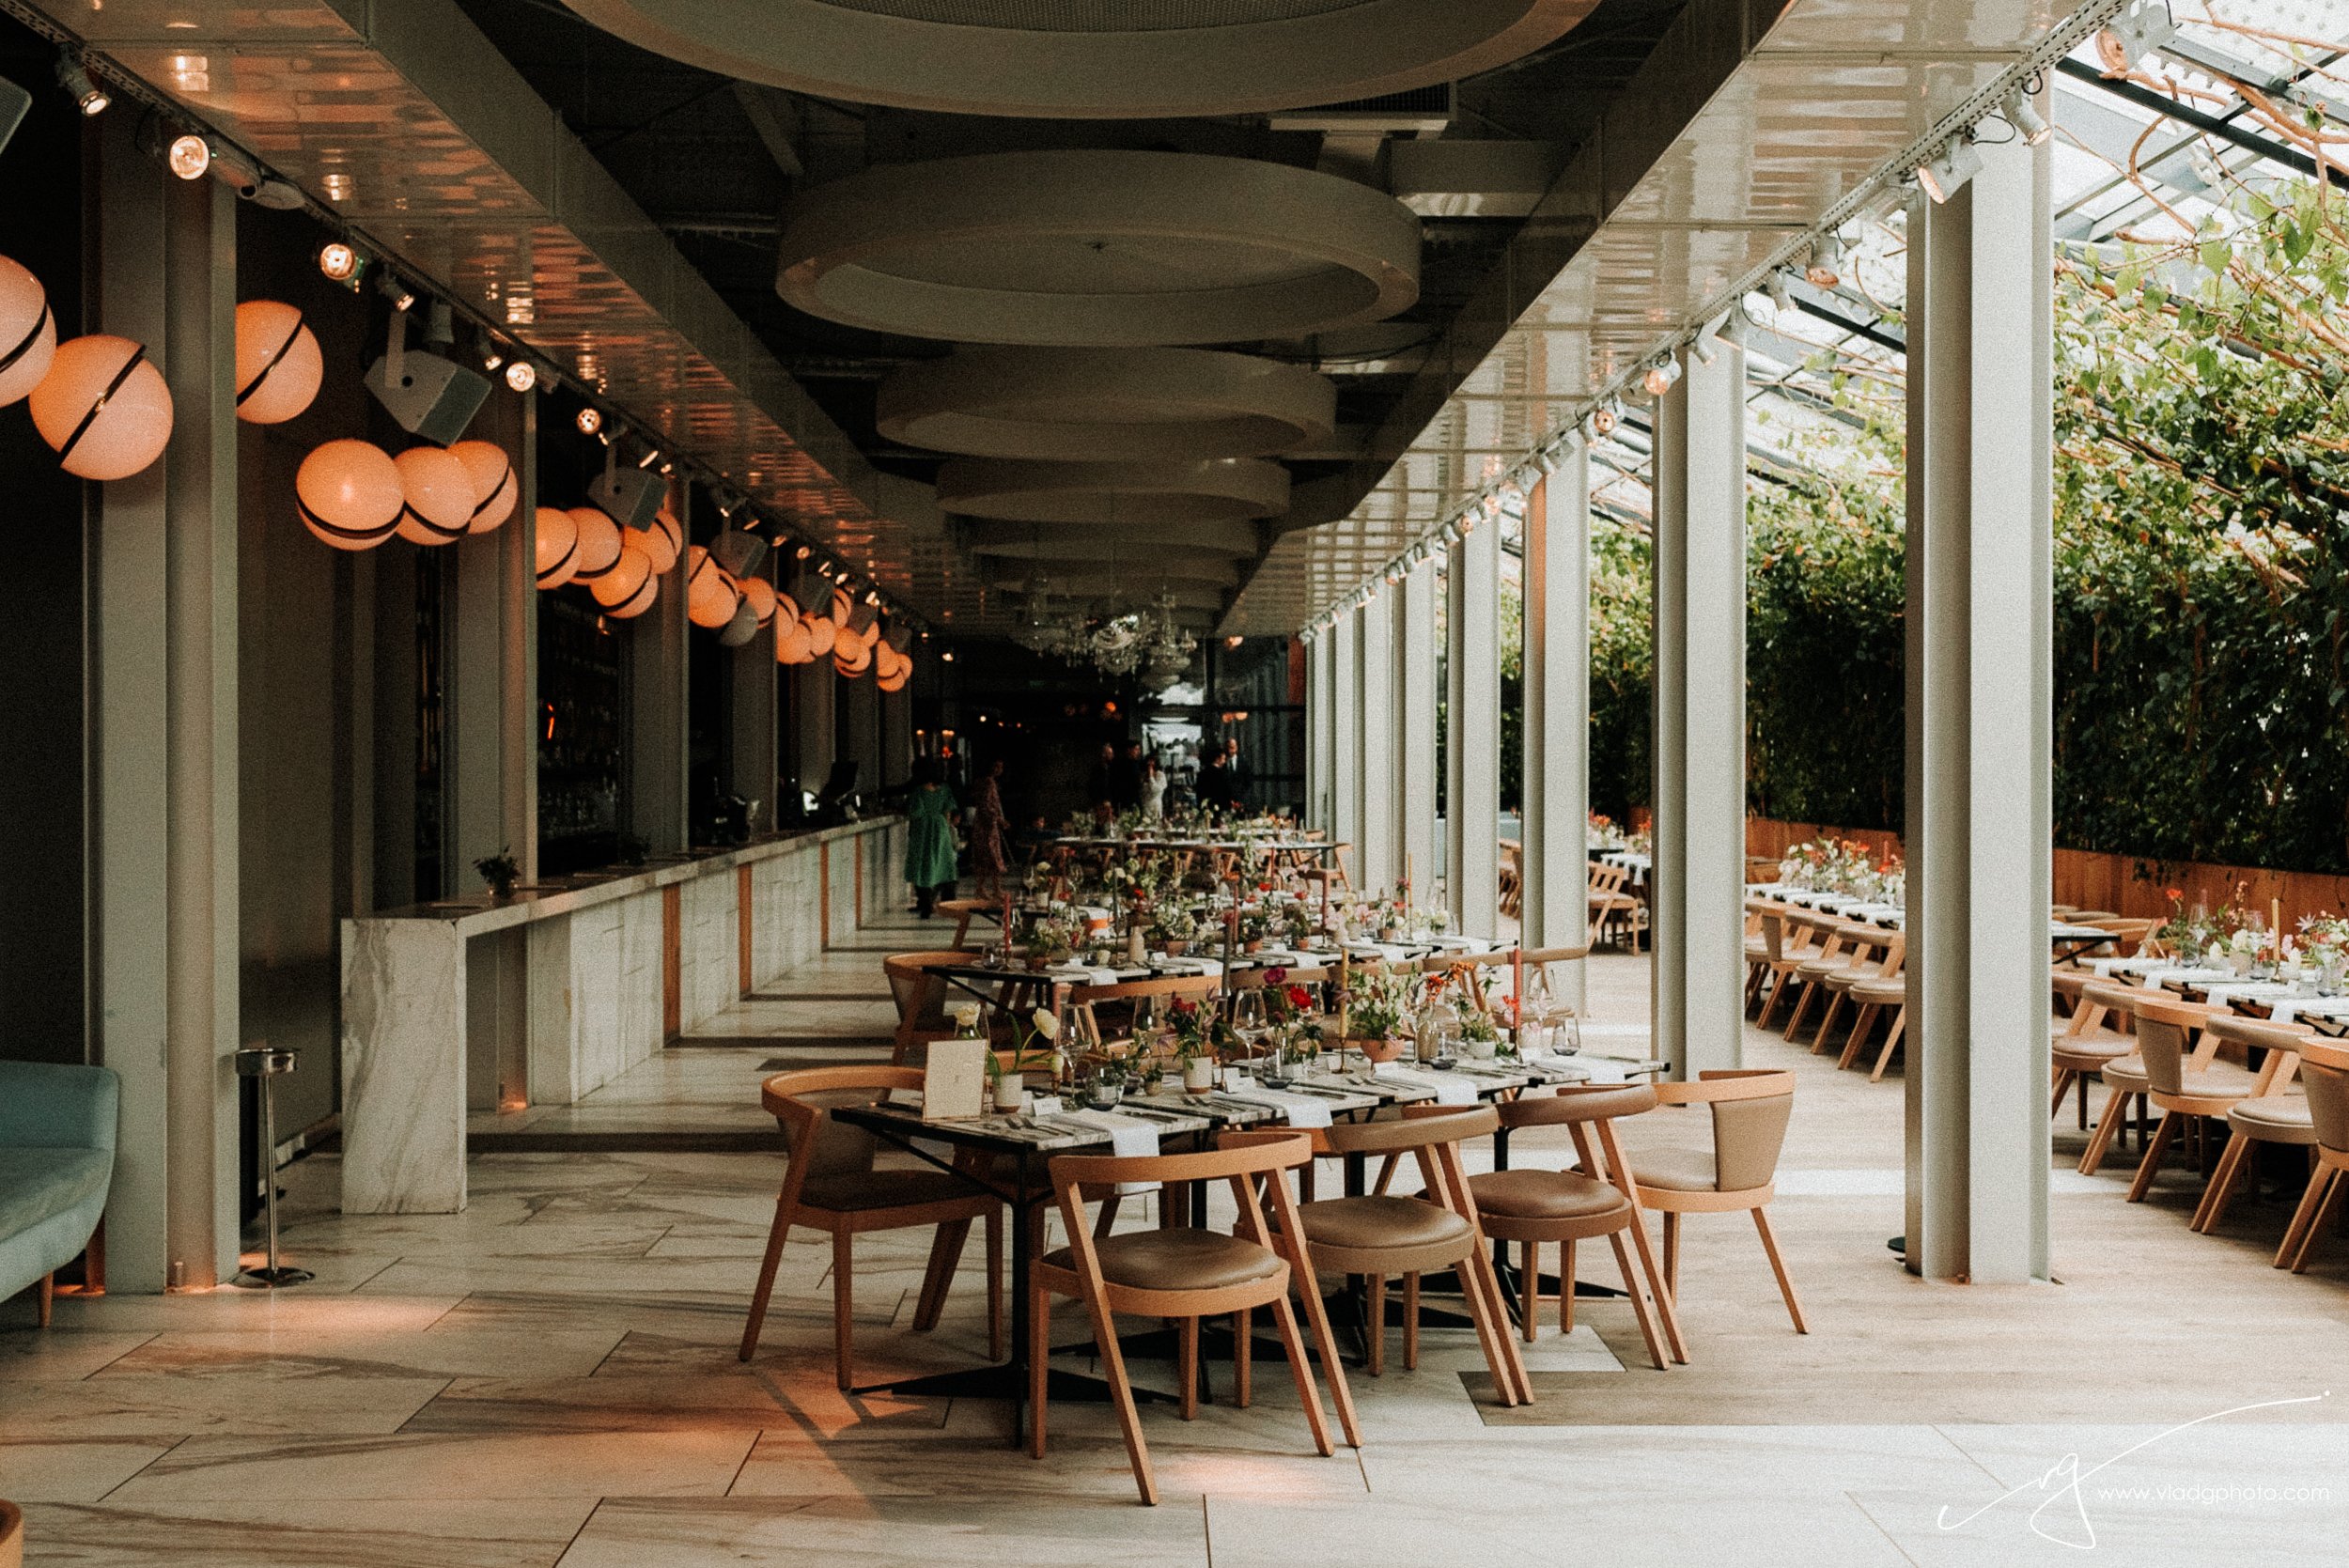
x: 1303, y: 1112
x: 1450, y: 1088
x: 1129, y: 1135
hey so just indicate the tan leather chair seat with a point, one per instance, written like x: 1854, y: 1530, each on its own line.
x: 2275, y: 1119
x: 2090, y: 1048
x: 2125, y: 1073
x: 1819, y: 968
x: 1676, y: 1169
x: 1180, y: 1259
x: 1376, y: 1222
x: 881, y: 1189
x: 1880, y: 993
x: 1537, y: 1194
x: 1756, y: 950
x: 2221, y: 1079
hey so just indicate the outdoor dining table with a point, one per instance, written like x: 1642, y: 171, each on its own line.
x: 2067, y: 937
x: 1009, y: 1154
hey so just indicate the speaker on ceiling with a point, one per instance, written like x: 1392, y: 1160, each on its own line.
x: 631, y: 495
x: 430, y: 397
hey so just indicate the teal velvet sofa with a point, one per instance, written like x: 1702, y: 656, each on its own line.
x: 56, y: 1162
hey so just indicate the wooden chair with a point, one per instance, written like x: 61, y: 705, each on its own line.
x: 921, y: 998
x: 1802, y: 941
x: 2274, y: 1115
x: 1750, y: 1109
x: 831, y: 1185
x: 1511, y: 878
x: 1846, y: 949
x: 12, y: 1535
x: 1377, y: 1235
x: 1877, y: 997
x: 1877, y: 955
x: 1535, y: 1208
x: 1775, y: 956
x: 2087, y: 1045
x: 2183, y: 1083
x: 1082, y: 1000
x: 2325, y: 1071
x: 1611, y: 908
x: 965, y: 910
x: 1187, y: 1274
x: 2127, y: 1077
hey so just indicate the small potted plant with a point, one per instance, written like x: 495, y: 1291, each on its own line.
x: 1173, y: 927
x: 1255, y: 928
x: 1376, y: 1007
x: 1478, y: 1033
x: 501, y: 871
x: 1051, y: 940
x: 1193, y: 1045
x: 1035, y: 1051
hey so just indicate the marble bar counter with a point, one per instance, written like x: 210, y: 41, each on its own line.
x: 469, y: 1005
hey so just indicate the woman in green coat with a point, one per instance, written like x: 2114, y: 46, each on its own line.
x: 930, y: 838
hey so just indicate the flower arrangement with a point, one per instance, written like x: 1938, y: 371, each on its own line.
x: 1053, y: 937
x: 1839, y: 865
x: 501, y: 871
x: 1173, y: 923
x: 1376, y: 1005
x: 1604, y: 834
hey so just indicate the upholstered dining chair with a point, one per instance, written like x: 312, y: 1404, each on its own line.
x: 2277, y: 1114
x: 832, y: 1184
x: 1773, y: 953
x: 1377, y: 1235
x: 1536, y: 1207
x: 1187, y: 1274
x: 1804, y: 940
x: 2086, y: 1043
x: 1750, y: 1109
x: 1877, y: 997
x: 1881, y: 955
x: 921, y: 1000
x: 1848, y: 949
x: 965, y: 911
x: 1612, y: 908
x: 2179, y: 1024
x: 2183, y: 1081
x: 2324, y: 1073
x: 1085, y: 998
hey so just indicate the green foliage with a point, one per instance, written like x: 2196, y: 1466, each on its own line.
x: 1623, y: 666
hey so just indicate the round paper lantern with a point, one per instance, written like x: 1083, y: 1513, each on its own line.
x: 741, y: 629
x: 440, y: 496
x: 843, y: 607
x: 557, y: 547
x: 620, y: 584
x: 664, y: 539
x: 871, y: 634
x: 791, y: 644
x: 710, y: 595
x: 821, y: 634
x: 759, y: 595
x: 28, y: 333
x: 851, y: 656
x: 637, y: 602
x: 348, y: 493
x: 886, y: 661
x: 102, y: 407
x: 278, y: 363
x: 495, y: 486
x: 897, y: 682
x: 599, y: 542
x: 786, y: 609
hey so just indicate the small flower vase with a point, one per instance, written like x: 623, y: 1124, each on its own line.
x: 2240, y: 963
x: 1484, y: 1050
x: 1010, y: 1092
x: 1385, y: 1048
x: 501, y: 890
x: 1174, y: 947
x: 1199, y: 1074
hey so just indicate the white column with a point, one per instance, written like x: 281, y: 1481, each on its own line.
x: 813, y: 698
x: 658, y: 694
x: 1346, y: 738
x: 1380, y: 862
x: 493, y: 657
x: 1980, y: 704
x: 1698, y: 885
x: 164, y: 766
x: 1317, y: 695
x: 1558, y: 713
x: 1472, y: 732
x: 1415, y: 759
x: 753, y: 684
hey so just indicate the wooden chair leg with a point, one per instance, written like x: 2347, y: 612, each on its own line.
x: 1386, y: 1175
x: 1186, y: 1369
x: 1891, y: 1042
x: 1672, y: 1253
x: 1106, y: 1219
x: 1530, y: 1293
x: 2063, y: 1077
x: 2304, y: 1216
x: 1666, y: 1309
x: 2222, y: 1181
x: 1300, y: 1367
x: 1777, y: 1266
x: 2323, y: 1213
x: 2154, y: 1151
x: 776, y: 1233
x: 1317, y: 1320
x: 2107, y: 1126
x: 1566, y: 1287
x: 1508, y: 1366
x: 2082, y: 1086
x: 1121, y: 1396
x: 1039, y: 1372
x: 1410, y: 1323
x: 842, y: 1293
x: 995, y: 1285
x: 1863, y: 1022
x: 1243, y: 1355
x: 1377, y: 1327
x: 1835, y: 1001
x: 945, y: 1256
x: 45, y: 1303
x: 1639, y: 1298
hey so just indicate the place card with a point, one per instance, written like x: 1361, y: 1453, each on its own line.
x: 954, y: 1083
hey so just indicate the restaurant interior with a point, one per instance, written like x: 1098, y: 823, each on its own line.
x: 1229, y: 781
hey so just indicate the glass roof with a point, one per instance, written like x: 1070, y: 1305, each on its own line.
x: 2240, y: 104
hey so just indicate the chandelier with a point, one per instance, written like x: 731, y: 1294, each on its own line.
x: 1116, y: 641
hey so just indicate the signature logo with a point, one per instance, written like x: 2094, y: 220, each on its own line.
x: 2064, y: 1508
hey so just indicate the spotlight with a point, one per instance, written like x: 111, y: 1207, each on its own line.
x: 1661, y: 375
x: 2026, y: 119
x: 652, y: 456
x: 1782, y: 298
x: 1603, y: 422
x: 190, y: 156
x: 1944, y: 177
x: 590, y: 420
x: 388, y: 285
x: 1826, y: 261
x: 806, y: 553
x: 338, y: 261
x: 74, y: 76
x: 947, y: 657
x: 873, y: 599
x: 2140, y: 28
x: 521, y: 376
x: 490, y: 358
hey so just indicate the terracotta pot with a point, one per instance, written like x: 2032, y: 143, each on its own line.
x: 1380, y: 1050
x: 1174, y: 948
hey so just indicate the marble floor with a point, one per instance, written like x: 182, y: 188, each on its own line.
x: 550, y: 1377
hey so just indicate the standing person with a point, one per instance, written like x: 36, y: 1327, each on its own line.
x: 1235, y: 775
x: 987, y: 824
x: 1101, y: 788
x: 1125, y: 778
x: 1214, y: 787
x: 930, y: 838
x: 1153, y: 790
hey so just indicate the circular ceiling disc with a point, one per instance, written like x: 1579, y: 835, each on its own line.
x: 1078, y: 404
x: 1107, y: 249
x: 1048, y: 542
x: 1092, y: 59
x: 1114, y: 495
